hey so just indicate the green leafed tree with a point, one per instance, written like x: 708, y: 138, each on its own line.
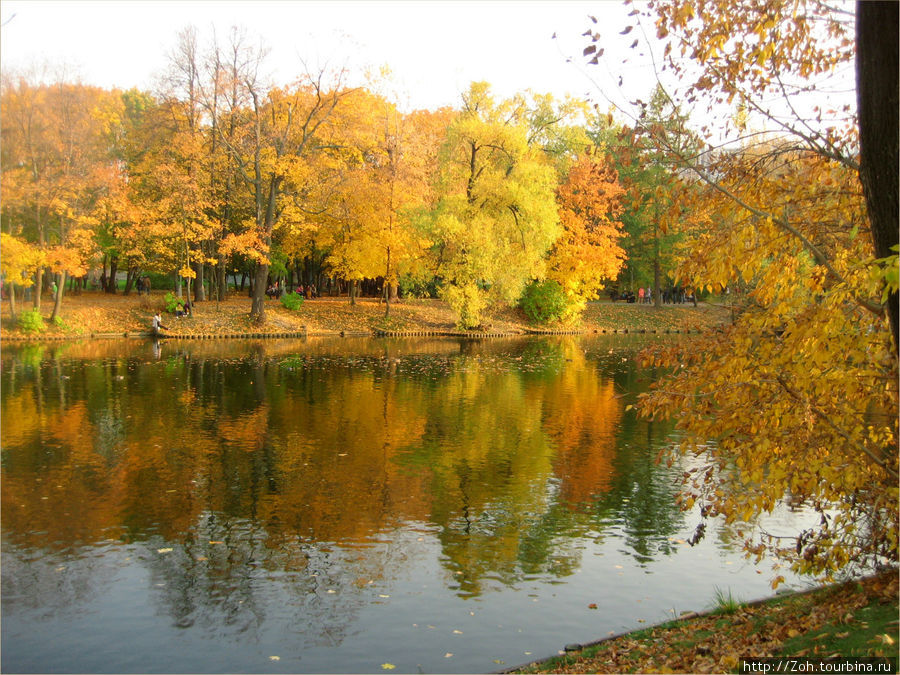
x: 496, y: 216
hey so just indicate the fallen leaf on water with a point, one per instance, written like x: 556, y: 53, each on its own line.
x: 457, y: 632
x: 274, y: 658
x: 593, y: 605
x: 448, y: 655
x: 163, y: 550
x: 387, y: 666
x: 382, y: 595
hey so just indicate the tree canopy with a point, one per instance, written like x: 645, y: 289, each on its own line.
x: 797, y: 399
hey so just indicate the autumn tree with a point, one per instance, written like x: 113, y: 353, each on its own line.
x: 57, y: 169
x: 587, y: 253
x: 284, y: 127
x: 407, y: 150
x: 226, y: 100
x: 19, y: 263
x: 496, y: 216
x: 187, y: 163
x: 384, y: 165
x: 798, y: 397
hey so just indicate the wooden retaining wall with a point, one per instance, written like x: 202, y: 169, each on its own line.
x: 344, y: 333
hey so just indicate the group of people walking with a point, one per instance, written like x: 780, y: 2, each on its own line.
x: 278, y: 289
x: 670, y: 296
x: 644, y: 296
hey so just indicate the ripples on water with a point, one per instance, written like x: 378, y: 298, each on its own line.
x: 334, y: 505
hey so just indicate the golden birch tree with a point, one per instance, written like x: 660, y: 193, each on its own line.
x: 798, y: 398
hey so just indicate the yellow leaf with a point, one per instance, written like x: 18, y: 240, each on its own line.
x: 387, y: 666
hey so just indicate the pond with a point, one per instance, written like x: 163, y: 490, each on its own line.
x: 334, y: 505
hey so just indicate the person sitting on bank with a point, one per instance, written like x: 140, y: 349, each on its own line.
x: 157, y: 324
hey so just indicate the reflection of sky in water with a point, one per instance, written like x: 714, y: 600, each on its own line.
x: 338, y: 505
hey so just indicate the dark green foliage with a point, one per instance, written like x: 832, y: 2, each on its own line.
x: 172, y: 302
x: 543, y: 301
x: 292, y: 301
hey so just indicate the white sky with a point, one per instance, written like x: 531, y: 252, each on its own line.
x: 434, y: 48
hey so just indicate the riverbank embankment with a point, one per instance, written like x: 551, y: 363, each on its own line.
x: 856, y: 619
x: 100, y: 315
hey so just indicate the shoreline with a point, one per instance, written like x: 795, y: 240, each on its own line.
x: 766, y: 627
x: 94, y: 315
x: 301, y: 335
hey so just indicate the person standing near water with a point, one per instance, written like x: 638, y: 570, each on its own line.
x: 157, y: 324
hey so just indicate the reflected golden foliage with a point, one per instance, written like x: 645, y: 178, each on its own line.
x: 334, y: 444
x: 581, y: 415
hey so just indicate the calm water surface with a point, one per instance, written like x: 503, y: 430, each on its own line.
x: 336, y: 505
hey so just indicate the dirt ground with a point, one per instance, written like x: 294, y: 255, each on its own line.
x: 94, y: 312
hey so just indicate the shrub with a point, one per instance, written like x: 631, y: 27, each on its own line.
x: 172, y: 302
x: 468, y: 301
x: 292, y: 301
x: 31, y: 321
x: 411, y: 287
x: 543, y: 301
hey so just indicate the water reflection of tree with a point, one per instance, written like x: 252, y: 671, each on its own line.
x: 509, y: 447
x: 55, y: 584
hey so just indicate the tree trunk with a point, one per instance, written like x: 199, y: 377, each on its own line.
x: 102, y: 280
x: 258, y: 306
x: 133, y: 273
x: 12, y: 301
x: 60, y: 287
x: 221, y: 279
x: 877, y: 101
x: 199, y: 290
x: 113, y: 270
x: 353, y: 284
x: 38, y: 287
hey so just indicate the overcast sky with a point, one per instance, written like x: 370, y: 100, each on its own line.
x: 434, y: 48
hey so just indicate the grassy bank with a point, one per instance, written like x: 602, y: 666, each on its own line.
x: 858, y: 618
x: 99, y: 313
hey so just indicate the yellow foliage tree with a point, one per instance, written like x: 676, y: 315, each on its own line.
x: 19, y: 262
x: 797, y: 399
x: 496, y: 218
